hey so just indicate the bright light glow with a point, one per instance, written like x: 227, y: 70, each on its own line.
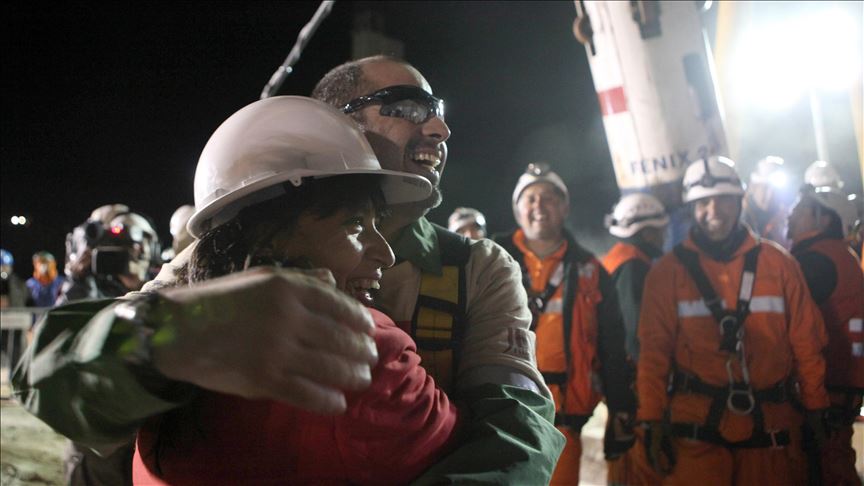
x: 117, y: 229
x: 776, y: 64
x: 18, y: 220
x: 14, y: 220
x: 779, y: 179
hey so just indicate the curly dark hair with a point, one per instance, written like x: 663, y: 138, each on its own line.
x: 245, y: 241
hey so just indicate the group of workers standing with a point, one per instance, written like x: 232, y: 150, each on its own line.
x: 734, y: 342
x: 481, y: 362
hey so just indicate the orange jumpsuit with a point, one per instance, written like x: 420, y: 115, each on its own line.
x: 597, y: 361
x: 633, y: 467
x: 836, y: 282
x: 783, y: 337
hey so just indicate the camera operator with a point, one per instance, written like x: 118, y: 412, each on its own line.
x: 109, y: 255
x: 115, y: 251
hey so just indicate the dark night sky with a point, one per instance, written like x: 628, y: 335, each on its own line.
x: 113, y: 102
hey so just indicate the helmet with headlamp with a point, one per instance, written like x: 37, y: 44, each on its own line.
x: 822, y: 174
x: 712, y: 176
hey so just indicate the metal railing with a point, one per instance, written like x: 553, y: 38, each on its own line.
x: 15, y: 322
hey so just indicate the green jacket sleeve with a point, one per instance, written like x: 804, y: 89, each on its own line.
x: 506, y: 436
x: 73, y: 378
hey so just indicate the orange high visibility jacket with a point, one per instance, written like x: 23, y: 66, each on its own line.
x: 592, y: 363
x: 829, y: 263
x: 783, y: 337
x: 621, y: 253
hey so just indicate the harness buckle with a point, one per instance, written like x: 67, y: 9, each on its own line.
x: 736, y: 403
x: 774, y: 443
x: 731, y: 333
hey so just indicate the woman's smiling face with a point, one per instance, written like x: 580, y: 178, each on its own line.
x: 346, y: 242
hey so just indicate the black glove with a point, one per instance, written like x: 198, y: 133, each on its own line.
x: 816, y: 427
x: 659, y: 447
x: 619, y: 436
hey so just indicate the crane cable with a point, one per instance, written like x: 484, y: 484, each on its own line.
x: 303, y: 37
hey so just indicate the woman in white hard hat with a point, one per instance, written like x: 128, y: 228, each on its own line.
x: 290, y: 182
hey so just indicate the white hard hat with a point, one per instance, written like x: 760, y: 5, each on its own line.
x: 108, y: 212
x: 634, y: 212
x: 714, y: 176
x: 822, y: 174
x: 177, y: 226
x: 769, y: 171
x: 180, y: 218
x: 462, y: 217
x: 280, y: 139
x: 536, y: 173
x: 835, y: 200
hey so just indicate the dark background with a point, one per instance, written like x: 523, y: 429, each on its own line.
x: 113, y: 102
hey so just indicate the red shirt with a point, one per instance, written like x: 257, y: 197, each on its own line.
x: 390, y: 433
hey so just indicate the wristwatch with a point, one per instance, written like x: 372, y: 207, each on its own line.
x: 138, y: 349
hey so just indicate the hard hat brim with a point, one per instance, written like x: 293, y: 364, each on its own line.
x: 631, y: 230
x: 397, y: 187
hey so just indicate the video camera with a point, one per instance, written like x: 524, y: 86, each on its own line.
x: 116, y: 247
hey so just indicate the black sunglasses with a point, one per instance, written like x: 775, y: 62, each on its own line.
x: 404, y: 101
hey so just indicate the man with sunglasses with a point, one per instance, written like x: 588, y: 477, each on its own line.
x: 727, y: 332
x: 485, y: 356
x: 462, y: 302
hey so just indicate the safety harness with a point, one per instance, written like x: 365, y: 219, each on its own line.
x: 738, y: 397
x: 438, y: 323
x: 537, y: 300
x: 568, y: 274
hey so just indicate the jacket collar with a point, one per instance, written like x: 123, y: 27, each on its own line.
x: 651, y: 251
x: 519, y: 241
x: 418, y: 244
x: 740, y: 241
x: 808, y: 239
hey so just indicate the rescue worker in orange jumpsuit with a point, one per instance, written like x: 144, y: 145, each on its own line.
x: 817, y: 227
x: 576, y: 317
x: 727, y: 323
x: 639, y: 222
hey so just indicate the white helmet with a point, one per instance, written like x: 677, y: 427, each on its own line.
x: 634, y: 212
x: 177, y: 226
x: 835, y: 200
x: 462, y: 217
x: 280, y: 139
x: 108, y: 212
x: 535, y: 173
x: 714, y: 176
x: 822, y: 174
x: 770, y: 171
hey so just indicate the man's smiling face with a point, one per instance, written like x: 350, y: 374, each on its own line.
x: 399, y: 143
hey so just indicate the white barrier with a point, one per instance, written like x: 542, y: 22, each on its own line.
x: 15, y: 322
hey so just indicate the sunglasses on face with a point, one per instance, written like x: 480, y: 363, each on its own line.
x: 404, y: 101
